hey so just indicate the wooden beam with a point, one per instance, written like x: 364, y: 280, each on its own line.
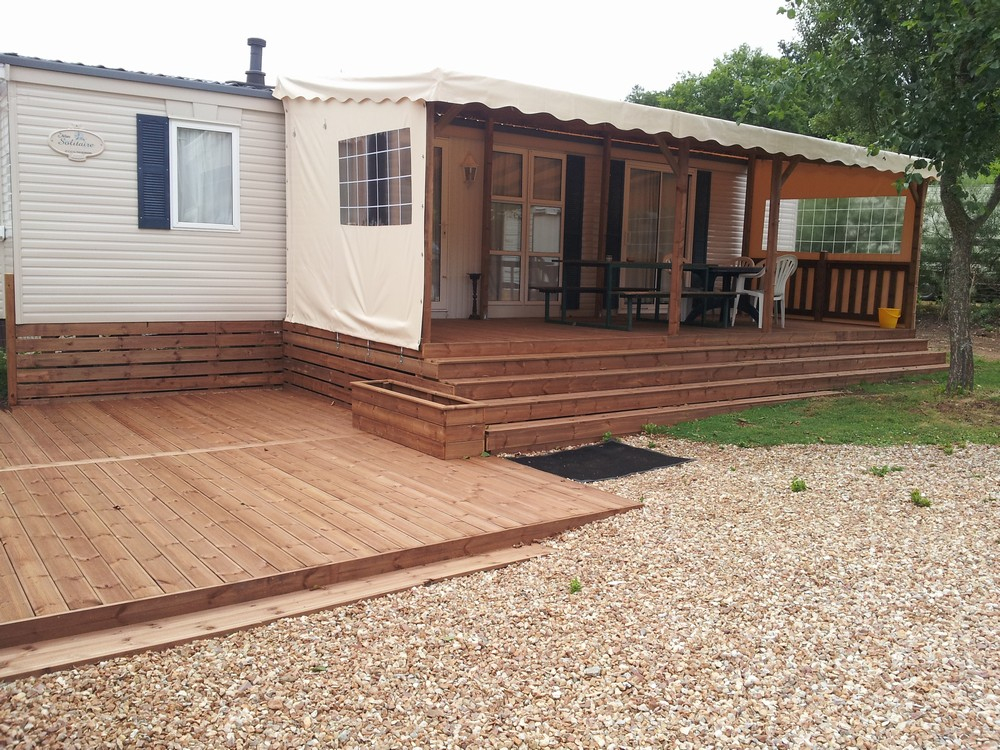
x: 668, y: 154
x: 792, y: 164
x: 11, y: 335
x: 448, y: 116
x: 487, y: 228
x: 677, y: 252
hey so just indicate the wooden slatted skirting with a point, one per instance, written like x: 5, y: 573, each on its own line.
x: 328, y: 363
x: 112, y: 359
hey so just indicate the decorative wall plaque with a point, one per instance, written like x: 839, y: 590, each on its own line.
x: 76, y: 144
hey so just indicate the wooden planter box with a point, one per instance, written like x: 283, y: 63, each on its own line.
x: 438, y: 424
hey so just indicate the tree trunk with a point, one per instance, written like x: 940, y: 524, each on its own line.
x: 961, y: 368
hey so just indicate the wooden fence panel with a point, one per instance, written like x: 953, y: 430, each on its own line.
x: 105, y: 359
x: 847, y: 290
x: 327, y: 362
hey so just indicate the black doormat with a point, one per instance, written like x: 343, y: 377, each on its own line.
x: 592, y: 463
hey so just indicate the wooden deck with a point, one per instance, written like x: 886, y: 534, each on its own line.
x: 524, y: 385
x: 117, y: 512
x: 453, y: 336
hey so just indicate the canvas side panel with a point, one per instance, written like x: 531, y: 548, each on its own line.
x: 365, y: 281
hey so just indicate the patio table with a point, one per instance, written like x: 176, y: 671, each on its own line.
x: 708, y: 274
x: 608, y: 287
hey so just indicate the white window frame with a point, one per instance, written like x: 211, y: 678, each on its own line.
x: 176, y: 223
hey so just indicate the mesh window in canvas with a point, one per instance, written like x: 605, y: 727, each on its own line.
x: 375, y: 179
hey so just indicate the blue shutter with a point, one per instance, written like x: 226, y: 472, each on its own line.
x: 702, y: 202
x: 573, y: 226
x: 153, y: 145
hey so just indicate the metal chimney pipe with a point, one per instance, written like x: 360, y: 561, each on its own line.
x: 255, y: 76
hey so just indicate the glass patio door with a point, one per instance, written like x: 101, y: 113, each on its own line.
x: 650, y: 199
x: 526, y: 220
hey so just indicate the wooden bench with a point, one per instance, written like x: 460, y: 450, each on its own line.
x: 634, y: 299
x: 637, y: 297
x: 548, y: 291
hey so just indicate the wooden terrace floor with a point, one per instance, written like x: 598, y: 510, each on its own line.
x: 457, y: 336
x: 116, y: 512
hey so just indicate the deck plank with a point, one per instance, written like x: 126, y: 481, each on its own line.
x: 28, y: 495
x: 183, y: 529
x: 41, y: 595
x: 12, y: 593
x: 107, y: 563
x: 137, y: 508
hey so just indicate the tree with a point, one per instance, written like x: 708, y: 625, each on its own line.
x: 985, y: 253
x: 923, y: 77
x: 745, y: 85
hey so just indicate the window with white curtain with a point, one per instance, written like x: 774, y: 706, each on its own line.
x: 204, y: 179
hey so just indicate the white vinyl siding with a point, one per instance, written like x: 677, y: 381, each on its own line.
x: 79, y: 252
x: 788, y: 214
x: 725, y: 216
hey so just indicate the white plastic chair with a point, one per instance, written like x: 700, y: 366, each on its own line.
x: 784, y: 267
x: 741, y: 287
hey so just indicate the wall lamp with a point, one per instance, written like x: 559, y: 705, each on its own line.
x: 469, y: 168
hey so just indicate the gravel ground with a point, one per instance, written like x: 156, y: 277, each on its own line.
x: 728, y: 612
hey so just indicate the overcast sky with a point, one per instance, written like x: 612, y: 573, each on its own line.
x: 596, y: 48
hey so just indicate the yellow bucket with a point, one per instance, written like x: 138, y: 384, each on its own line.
x: 888, y: 316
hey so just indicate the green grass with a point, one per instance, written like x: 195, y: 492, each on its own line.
x: 914, y: 410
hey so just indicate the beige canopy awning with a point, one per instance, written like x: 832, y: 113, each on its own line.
x: 369, y: 282
x: 460, y: 88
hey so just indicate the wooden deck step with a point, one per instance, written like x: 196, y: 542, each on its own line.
x: 557, y: 405
x: 575, y: 421
x: 554, y: 433
x: 509, y: 386
x: 457, y: 368
x: 61, y: 653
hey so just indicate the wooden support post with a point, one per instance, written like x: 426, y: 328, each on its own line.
x: 487, y: 224
x: 428, y: 228
x: 767, y: 304
x: 821, y: 291
x: 677, y: 252
x: 11, y: 337
x: 909, y: 319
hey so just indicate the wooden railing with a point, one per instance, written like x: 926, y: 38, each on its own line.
x: 831, y: 287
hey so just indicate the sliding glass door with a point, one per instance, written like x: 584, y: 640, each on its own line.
x: 650, y: 201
